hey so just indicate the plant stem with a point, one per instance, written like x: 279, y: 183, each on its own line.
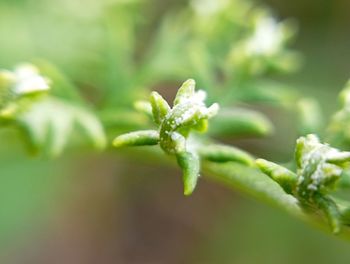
x: 261, y: 187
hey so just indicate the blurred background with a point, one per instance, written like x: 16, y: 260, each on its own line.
x: 94, y: 208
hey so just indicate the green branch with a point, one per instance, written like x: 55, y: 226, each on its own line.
x: 261, y: 187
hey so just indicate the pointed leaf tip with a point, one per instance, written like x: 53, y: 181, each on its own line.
x: 190, y: 166
x: 160, y: 107
x: 186, y: 91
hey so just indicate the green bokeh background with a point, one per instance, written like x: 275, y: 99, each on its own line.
x: 106, y: 208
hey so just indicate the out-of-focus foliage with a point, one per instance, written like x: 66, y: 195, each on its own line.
x: 118, y: 61
x: 47, y: 120
x: 108, y: 54
x: 118, y: 57
x: 338, y: 129
x: 18, y: 87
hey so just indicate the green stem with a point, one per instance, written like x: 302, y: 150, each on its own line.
x: 261, y: 187
x: 250, y: 182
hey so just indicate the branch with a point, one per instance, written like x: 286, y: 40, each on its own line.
x: 258, y: 185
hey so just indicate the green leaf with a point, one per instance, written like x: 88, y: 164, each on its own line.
x: 188, y: 112
x: 222, y: 153
x: 120, y: 22
x: 338, y: 129
x: 185, y: 92
x: 167, y: 48
x: 60, y: 85
x: 310, y: 116
x: 286, y: 178
x: 50, y: 123
x: 190, y: 165
x: 137, y: 138
x: 144, y: 107
x: 331, y: 211
x: 239, y: 121
x: 267, y: 91
x: 201, y: 126
x: 160, y: 107
x: 345, y: 94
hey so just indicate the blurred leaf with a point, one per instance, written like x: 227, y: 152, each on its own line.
x: 222, y: 153
x: 50, y: 123
x: 338, y: 130
x: 310, y: 116
x: 166, y: 57
x: 240, y: 122
x: 60, y: 85
x: 268, y: 92
x: 120, y: 21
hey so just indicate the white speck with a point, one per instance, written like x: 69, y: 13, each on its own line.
x: 267, y: 38
x: 28, y: 80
